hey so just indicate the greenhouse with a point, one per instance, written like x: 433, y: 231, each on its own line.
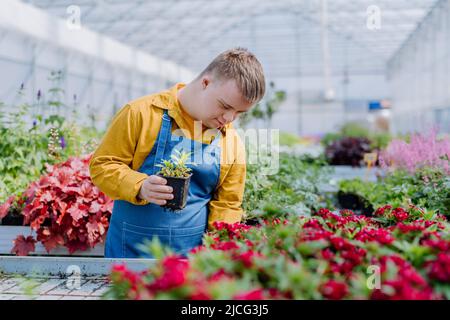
x: 225, y: 150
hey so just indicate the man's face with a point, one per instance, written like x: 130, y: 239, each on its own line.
x: 219, y: 102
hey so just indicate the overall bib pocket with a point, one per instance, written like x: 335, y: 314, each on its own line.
x: 135, y: 236
x: 185, y: 239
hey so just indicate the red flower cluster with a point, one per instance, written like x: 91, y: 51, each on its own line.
x: 134, y: 281
x: 231, y: 231
x: 407, y: 285
x: 437, y: 244
x: 382, y: 210
x: 381, y: 236
x: 174, y: 274
x: 352, y: 255
x: 439, y: 269
x: 224, y: 245
x: 256, y: 294
x: 342, y: 244
x: 246, y: 258
x: 400, y: 214
x: 65, y: 208
x: 334, y: 290
x: 344, y: 220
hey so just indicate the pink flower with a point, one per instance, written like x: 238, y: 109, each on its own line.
x: 423, y: 150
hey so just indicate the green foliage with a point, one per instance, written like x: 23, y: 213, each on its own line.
x: 33, y: 135
x: 428, y: 187
x: 266, y: 109
x: 378, y: 140
x: 295, y: 187
x: 289, y: 139
x: 177, y: 165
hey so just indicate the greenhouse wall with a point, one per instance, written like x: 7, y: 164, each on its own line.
x: 306, y: 113
x: 420, y: 75
x: 95, y: 81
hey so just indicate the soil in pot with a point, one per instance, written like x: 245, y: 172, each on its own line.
x: 252, y: 222
x: 180, y: 191
x: 349, y: 201
x: 12, y: 219
x: 355, y: 203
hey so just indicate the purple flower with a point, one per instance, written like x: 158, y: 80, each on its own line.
x: 34, y: 123
x: 39, y: 94
x: 62, y: 142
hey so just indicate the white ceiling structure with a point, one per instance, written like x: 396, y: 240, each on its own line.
x: 290, y: 37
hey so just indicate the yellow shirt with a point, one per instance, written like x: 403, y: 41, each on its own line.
x: 130, y: 138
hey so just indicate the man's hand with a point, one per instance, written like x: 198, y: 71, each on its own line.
x: 154, y: 190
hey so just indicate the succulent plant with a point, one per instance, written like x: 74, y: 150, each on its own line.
x: 177, y: 165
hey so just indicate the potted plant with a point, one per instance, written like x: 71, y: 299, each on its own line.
x: 63, y: 214
x: 178, y: 176
x: 357, y: 195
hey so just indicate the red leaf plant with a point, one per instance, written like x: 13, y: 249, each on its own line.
x: 64, y: 208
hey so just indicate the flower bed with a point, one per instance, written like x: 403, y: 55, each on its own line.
x: 63, y: 208
x: 401, y: 253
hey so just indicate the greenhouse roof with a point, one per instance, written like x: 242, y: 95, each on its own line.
x: 286, y: 35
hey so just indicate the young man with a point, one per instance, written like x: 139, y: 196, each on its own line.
x: 149, y: 129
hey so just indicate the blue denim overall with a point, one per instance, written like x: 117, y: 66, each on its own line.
x: 181, y: 230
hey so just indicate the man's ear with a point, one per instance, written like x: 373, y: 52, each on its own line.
x: 205, y: 82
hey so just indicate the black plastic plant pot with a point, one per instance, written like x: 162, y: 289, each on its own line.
x: 12, y: 220
x: 252, y: 222
x: 180, y: 188
x: 349, y: 201
x: 367, y: 210
x: 355, y: 202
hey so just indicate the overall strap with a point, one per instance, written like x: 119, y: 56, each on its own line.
x: 164, y: 135
x: 216, y: 137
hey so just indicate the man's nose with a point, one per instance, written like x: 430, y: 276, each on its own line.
x: 229, y: 116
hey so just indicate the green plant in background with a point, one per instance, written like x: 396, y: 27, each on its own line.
x: 289, y: 139
x: 265, y: 109
x: 378, y: 140
x: 177, y: 165
x: 428, y: 187
x: 33, y: 135
x: 296, y: 187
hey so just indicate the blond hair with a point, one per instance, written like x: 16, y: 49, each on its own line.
x: 241, y: 65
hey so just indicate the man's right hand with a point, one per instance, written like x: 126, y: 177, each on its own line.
x: 154, y: 190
